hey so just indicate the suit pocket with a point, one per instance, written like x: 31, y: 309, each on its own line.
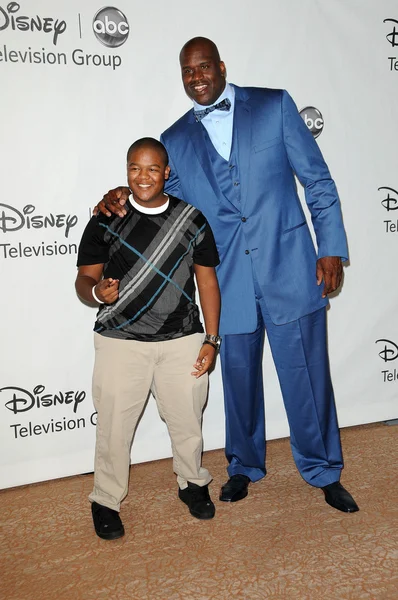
x: 267, y: 144
x: 295, y: 227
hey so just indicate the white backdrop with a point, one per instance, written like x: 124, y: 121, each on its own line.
x: 70, y: 108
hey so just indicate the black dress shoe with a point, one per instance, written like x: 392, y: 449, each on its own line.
x: 339, y: 498
x: 107, y: 522
x: 235, y: 489
x: 198, y: 500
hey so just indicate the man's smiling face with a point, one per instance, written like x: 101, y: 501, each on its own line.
x: 146, y: 174
x: 203, y: 73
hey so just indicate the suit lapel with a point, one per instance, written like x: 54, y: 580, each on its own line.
x: 197, y: 137
x: 242, y: 130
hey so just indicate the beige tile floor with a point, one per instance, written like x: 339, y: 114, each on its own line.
x: 282, y: 542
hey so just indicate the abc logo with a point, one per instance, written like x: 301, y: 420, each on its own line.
x: 110, y: 27
x: 312, y: 117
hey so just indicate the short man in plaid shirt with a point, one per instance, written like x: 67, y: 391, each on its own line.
x: 148, y: 335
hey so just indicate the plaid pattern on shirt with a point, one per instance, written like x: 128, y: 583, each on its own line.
x: 153, y: 257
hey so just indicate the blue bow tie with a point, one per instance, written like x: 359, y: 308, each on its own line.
x: 223, y: 105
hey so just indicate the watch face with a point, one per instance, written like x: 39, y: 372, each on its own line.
x: 214, y: 339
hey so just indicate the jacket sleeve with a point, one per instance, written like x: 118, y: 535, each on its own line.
x: 321, y: 194
x: 172, y: 185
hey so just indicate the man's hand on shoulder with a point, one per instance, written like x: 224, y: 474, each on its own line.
x: 330, y: 270
x: 113, y: 202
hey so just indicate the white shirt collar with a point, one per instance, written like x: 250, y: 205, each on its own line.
x: 146, y: 209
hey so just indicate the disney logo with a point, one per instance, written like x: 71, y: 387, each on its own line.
x: 11, y: 219
x: 389, y: 203
x: 45, y: 24
x: 23, y: 400
x: 390, y: 350
x: 393, y: 36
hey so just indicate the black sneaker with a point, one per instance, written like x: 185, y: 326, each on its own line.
x: 107, y: 522
x: 198, y: 501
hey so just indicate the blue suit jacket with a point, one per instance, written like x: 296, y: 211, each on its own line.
x: 273, y: 144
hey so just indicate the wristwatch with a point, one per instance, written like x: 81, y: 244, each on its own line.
x: 213, y: 340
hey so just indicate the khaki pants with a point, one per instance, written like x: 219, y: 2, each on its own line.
x: 125, y: 371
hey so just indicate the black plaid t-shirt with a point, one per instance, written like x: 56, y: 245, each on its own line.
x: 152, y: 255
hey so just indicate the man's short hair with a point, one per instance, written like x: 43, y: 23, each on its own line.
x: 148, y: 142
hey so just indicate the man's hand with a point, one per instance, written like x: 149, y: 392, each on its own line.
x: 107, y: 290
x: 113, y: 202
x: 330, y: 270
x: 204, y: 361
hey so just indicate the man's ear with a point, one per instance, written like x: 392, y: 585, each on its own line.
x: 223, y: 69
x: 167, y: 172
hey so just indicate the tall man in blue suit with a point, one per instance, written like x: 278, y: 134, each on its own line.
x: 234, y: 157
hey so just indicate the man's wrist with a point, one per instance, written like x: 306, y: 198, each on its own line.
x: 206, y: 343
x: 213, y: 340
x: 95, y: 295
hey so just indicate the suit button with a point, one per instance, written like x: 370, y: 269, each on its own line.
x: 247, y: 251
x: 243, y: 219
x: 236, y: 182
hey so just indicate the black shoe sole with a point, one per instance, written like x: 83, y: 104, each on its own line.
x: 201, y: 516
x: 113, y: 535
x: 342, y: 508
x: 235, y: 498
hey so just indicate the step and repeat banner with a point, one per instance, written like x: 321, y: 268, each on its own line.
x: 79, y: 83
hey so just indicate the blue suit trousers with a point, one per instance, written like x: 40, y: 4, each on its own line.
x: 299, y: 351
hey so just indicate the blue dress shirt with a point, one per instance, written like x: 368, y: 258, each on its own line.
x: 219, y: 123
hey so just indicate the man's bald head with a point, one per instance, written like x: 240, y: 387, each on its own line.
x: 201, y: 42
